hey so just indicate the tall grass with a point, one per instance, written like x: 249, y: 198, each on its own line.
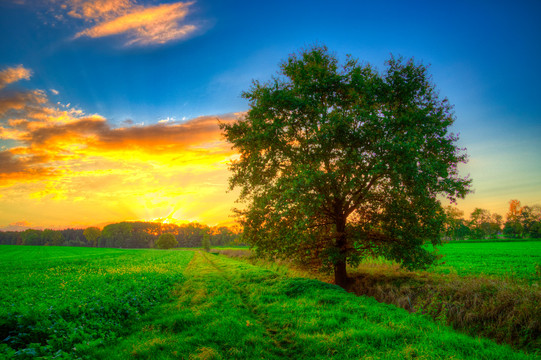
x: 502, y: 309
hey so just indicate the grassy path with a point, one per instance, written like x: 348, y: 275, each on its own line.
x: 229, y: 309
x: 279, y: 338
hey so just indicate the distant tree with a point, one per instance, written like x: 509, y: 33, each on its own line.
x: 515, y: 209
x: 454, y: 223
x: 530, y: 219
x: 166, y: 241
x: 73, y: 237
x: 92, y: 234
x: 10, y: 238
x: 338, y: 162
x: 206, y: 242
x: 223, y: 236
x: 115, y: 235
x: 483, y: 224
x: 513, y: 226
x: 52, y: 237
x: 32, y: 237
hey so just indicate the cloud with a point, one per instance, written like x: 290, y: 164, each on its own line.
x: 85, y: 170
x: 47, y: 138
x: 142, y: 25
x: 30, y: 102
x: 98, y: 9
x: 13, y: 74
x: 17, y: 226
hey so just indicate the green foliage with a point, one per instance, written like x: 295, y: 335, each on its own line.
x: 166, y: 241
x: 60, y: 302
x: 206, y: 242
x: 92, y: 234
x: 124, y: 235
x: 483, y: 288
x: 115, y: 235
x: 32, y: 237
x: 483, y: 224
x: 339, y: 161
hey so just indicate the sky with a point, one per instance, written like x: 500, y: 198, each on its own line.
x: 109, y: 109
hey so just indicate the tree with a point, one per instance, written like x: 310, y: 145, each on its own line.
x: 166, y: 241
x: 484, y: 224
x: 514, y: 226
x: 32, y: 237
x: 530, y: 218
x: 92, y: 234
x: 340, y: 162
x: 52, y: 237
x: 206, y: 242
x: 454, y: 225
x: 115, y: 235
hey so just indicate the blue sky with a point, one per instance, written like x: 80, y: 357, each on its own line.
x: 483, y: 56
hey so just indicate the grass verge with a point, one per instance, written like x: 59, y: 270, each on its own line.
x: 502, y: 308
x: 228, y: 309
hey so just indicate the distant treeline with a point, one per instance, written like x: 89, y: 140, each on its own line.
x: 123, y: 235
x: 521, y: 222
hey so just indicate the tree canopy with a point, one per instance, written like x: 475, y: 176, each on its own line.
x: 166, y: 241
x: 337, y: 162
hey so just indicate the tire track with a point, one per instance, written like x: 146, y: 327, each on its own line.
x: 281, y: 338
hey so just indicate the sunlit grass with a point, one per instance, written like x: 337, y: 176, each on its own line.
x: 60, y: 300
x: 121, y: 304
x: 228, y: 309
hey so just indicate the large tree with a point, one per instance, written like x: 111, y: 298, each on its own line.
x: 337, y: 162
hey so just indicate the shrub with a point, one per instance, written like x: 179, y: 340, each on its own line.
x: 166, y: 241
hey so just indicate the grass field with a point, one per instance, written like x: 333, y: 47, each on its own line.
x: 518, y: 259
x: 487, y: 289
x: 107, y: 304
x: 56, y: 301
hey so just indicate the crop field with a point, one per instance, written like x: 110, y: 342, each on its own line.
x: 517, y: 259
x: 69, y: 303
x: 56, y: 301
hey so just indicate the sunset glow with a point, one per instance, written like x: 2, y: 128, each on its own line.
x: 109, y: 109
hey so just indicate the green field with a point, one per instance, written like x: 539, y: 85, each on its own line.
x: 518, y: 259
x: 62, y: 300
x: 107, y: 304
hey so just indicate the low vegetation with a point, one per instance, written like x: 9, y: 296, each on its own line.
x: 517, y: 260
x: 76, y: 303
x: 480, y: 288
x: 60, y: 302
x: 228, y: 309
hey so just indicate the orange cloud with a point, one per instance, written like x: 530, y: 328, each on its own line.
x: 13, y: 74
x: 85, y: 171
x: 142, y: 25
x: 49, y: 138
x: 98, y: 9
x: 31, y: 102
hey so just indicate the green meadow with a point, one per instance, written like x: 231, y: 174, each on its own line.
x: 70, y: 303
x: 515, y: 259
x: 512, y: 259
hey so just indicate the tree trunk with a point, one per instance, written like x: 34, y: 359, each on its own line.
x: 340, y: 275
